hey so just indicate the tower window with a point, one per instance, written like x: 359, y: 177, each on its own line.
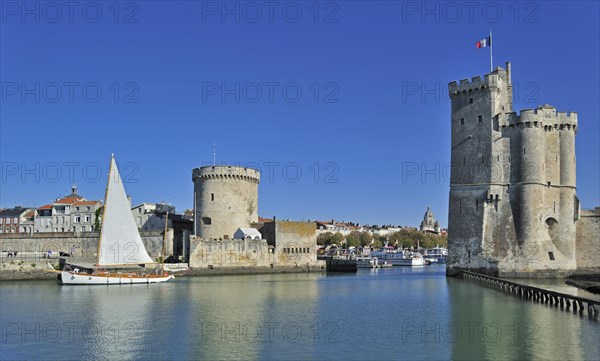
x: 212, y: 197
x: 462, y: 121
x: 470, y: 100
x: 477, y: 205
x: 460, y: 206
x: 551, y: 256
x: 524, y: 150
x: 480, y: 118
x: 206, y: 220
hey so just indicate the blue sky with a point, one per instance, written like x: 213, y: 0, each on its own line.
x: 338, y: 102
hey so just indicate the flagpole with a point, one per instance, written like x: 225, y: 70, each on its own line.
x: 491, y: 57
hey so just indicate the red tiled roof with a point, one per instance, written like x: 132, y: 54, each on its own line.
x: 29, y: 214
x: 68, y: 200
x: 264, y: 220
x: 47, y: 206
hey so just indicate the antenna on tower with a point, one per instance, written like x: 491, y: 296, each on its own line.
x: 214, y: 153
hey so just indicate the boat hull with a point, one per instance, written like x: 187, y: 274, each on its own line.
x: 73, y: 278
x: 406, y: 262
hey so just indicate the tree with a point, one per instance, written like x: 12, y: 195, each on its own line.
x: 365, y: 238
x: 337, y: 237
x: 353, y: 239
x: 327, y: 238
x: 324, y: 239
x: 97, y: 223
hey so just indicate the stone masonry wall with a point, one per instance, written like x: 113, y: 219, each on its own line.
x: 588, y: 239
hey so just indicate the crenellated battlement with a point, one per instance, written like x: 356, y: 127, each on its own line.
x: 226, y: 172
x: 545, y: 117
x: 495, y: 79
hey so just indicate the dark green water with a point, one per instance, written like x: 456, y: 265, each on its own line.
x: 390, y: 314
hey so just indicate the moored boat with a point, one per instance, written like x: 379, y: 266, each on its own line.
x: 121, y: 251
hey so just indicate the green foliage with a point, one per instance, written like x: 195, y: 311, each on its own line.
x: 353, y: 239
x: 33, y: 265
x: 409, y: 238
x: 97, y: 224
x: 327, y: 238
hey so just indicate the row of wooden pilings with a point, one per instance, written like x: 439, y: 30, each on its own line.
x: 535, y: 294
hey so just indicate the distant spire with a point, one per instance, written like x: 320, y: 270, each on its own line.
x: 74, y: 190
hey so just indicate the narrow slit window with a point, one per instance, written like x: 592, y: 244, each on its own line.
x: 212, y: 197
x: 479, y: 118
x: 462, y: 121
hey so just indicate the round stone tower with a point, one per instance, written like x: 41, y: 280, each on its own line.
x: 226, y: 198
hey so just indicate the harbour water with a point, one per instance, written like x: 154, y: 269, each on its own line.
x: 382, y: 314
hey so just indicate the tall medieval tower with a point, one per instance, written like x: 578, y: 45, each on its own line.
x: 226, y: 198
x: 513, y: 205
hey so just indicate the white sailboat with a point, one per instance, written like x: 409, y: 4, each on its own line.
x: 120, y: 245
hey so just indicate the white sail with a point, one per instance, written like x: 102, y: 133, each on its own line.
x: 120, y: 241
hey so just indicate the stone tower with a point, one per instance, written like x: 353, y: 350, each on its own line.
x: 226, y: 198
x: 513, y: 205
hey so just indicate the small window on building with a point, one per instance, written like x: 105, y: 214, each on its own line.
x: 460, y: 206
x: 212, y: 197
x: 551, y: 256
x: 549, y: 184
x: 479, y: 118
x: 524, y: 150
x: 470, y: 100
x: 206, y: 220
x: 462, y: 121
x: 477, y: 204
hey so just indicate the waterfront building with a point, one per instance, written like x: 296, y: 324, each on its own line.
x: 152, y: 216
x: 15, y: 220
x: 228, y: 231
x: 72, y: 213
x: 513, y: 206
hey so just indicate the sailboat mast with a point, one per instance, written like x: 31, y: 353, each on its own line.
x: 112, y: 157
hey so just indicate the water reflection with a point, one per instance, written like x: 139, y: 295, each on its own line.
x: 387, y: 314
x: 496, y: 326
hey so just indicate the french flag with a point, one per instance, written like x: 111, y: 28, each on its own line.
x: 484, y: 43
